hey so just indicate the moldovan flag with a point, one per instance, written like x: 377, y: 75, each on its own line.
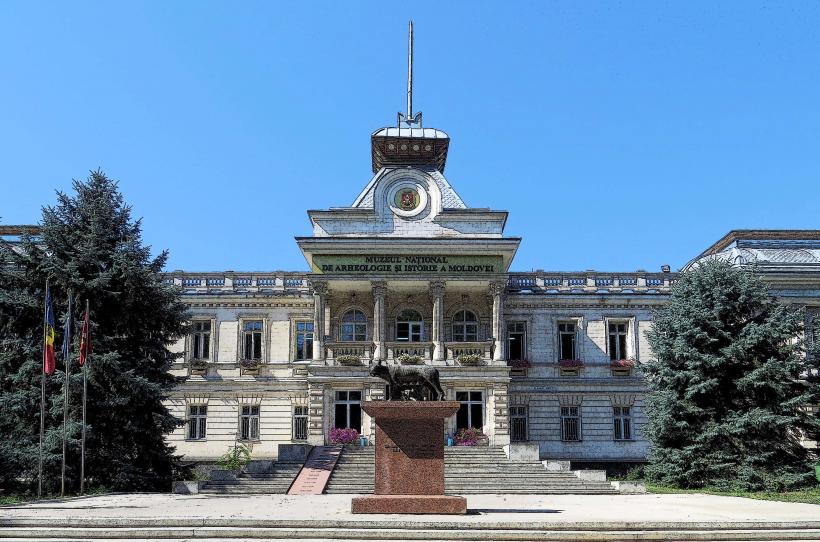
x: 49, y: 363
x: 85, y: 339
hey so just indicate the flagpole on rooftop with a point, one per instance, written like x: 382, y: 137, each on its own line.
x: 42, y: 395
x: 67, y: 360
x: 84, y: 355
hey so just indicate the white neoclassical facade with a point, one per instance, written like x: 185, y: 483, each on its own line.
x: 409, y: 273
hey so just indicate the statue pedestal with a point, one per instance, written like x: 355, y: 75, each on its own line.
x: 409, y: 459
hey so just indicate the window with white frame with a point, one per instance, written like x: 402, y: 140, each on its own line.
x: 300, y: 422
x: 201, y: 339
x: 570, y: 423
x: 252, y: 339
x: 618, y: 340
x: 304, y: 340
x: 347, y: 407
x: 354, y: 326
x: 471, y: 411
x: 622, y: 418
x: 465, y: 326
x: 566, y: 340
x: 409, y: 326
x: 518, y: 423
x: 516, y: 341
x: 197, y: 421
x: 249, y: 422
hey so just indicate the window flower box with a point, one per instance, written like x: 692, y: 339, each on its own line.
x: 470, y: 360
x: 622, y: 363
x: 519, y: 363
x: 410, y: 359
x: 249, y: 366
x: 570, y: 363
x: 198, y: 366
x: 349, y: 360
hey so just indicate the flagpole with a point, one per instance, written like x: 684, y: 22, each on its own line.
x: 67, y: 359
x: 42, y: 396
x: 85, y: 394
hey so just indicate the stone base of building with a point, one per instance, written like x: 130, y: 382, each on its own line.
x: 409, y: 504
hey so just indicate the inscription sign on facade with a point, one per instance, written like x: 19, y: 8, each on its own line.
x: 406, y: 264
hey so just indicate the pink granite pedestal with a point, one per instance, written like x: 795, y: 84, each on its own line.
x: 409, y: 459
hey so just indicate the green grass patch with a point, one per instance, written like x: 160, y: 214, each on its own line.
x: 809, y: 495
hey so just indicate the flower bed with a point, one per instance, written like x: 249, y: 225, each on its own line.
x: 468, y: 437
x: 571, y: 363
x: 343, y: 436
x: 349, y: 360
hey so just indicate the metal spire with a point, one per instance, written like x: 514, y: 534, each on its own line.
x: 409, y: 119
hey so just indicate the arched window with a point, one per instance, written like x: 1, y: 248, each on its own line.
x: 465, y: 326
x: 409, y: 326
x: 354, y: 326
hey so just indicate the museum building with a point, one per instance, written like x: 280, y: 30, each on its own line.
x: 410, y: 274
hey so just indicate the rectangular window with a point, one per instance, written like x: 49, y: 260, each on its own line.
x: 518, y: 423
x: 471, y: 411
x: 623, y: 423
x: 249, y: 422
x: 252, y: 339
x: 197, y: 416
x: 304, y: 340
x: 348, y: 410
x: 617, y: 341
x: 566, y: 340
x: 516, y: 341
x: 408, y: 331
x: 300, y: 423
x: 570, y: 424
x: 201, y: 340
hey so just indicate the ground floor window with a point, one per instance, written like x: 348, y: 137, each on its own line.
x: 197, y: 420
x: 300, y: 423
x: 570, y: 423
x: 518, y: 423
x: 249, y: 422
x: 348, y: 410
x: 471, y: 411
x: 623, y: 423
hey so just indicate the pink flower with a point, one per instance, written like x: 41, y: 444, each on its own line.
x: 519, y: 363
x: 622, y: 363
x: 343, y: 436
x: 571, y: 363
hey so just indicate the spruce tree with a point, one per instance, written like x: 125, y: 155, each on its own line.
x: 730, y: 384
x: 90, y: 245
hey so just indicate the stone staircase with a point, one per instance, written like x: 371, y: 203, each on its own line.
x: 259, y: 477
x: 469, y: 470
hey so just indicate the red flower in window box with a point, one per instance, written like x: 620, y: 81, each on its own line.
x: 519, y: 363
x: 622, y: 363
x: 571, y: 363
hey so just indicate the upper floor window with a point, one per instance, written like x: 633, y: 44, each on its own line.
x: 617, y: 340
x: 566, y: 340
x: 201, y: 340
x: 304, y: 340
x: 465, y: 326
x: 354, y: 326
x: 252, y: 339
x: 409, y: 326
x: 516, y: 341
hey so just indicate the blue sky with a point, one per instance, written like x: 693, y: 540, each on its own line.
x: 619, y: 135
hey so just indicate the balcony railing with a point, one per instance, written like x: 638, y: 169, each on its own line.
x: 230, y: 282
x: 590, y: 282
x: 399, y: 348
x: 362, y: 349
x: 479, y: 348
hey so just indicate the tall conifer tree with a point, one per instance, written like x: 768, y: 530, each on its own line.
x: 730, y: 385
x: 90, y: 244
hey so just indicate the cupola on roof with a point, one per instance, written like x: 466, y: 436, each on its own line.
x: 409, y: 144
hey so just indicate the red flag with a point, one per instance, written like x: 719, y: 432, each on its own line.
x: 85, y: 339
x: 49, y: 362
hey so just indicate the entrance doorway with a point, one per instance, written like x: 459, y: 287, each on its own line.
x: 471, y: 411
x: 347, y: 407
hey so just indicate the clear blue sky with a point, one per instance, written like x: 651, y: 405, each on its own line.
x: 619, y: 135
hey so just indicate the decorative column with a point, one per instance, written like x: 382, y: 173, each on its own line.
x: 497, y: 290
x: 319, y: 292
x: 379, y: 323
x: 437, y: 293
